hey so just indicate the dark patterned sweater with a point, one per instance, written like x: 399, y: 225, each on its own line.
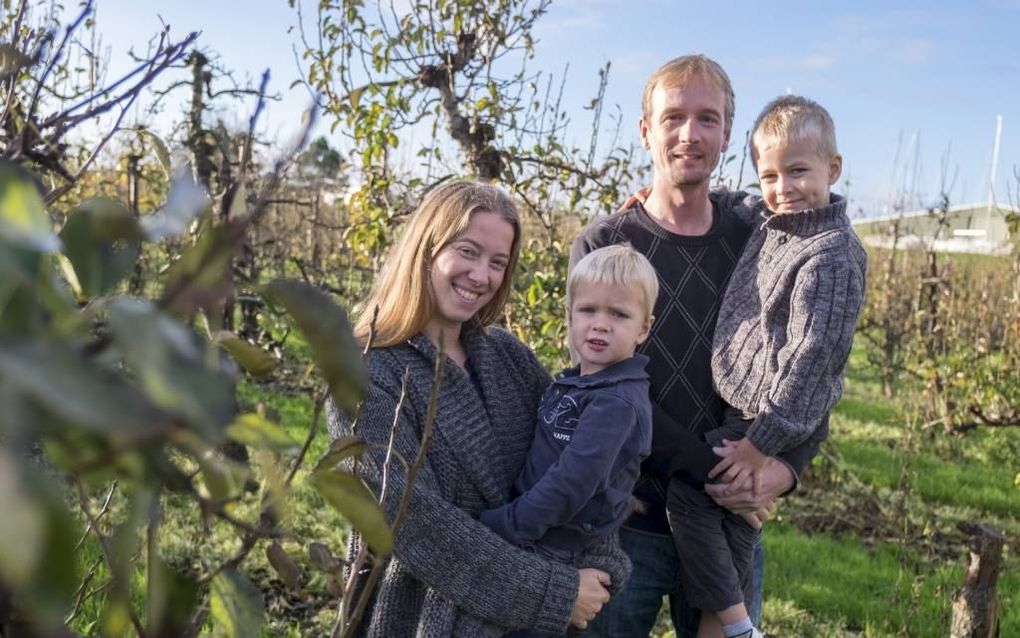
x: 693, y: 273
x: 787, y: 322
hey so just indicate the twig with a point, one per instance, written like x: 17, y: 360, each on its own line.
x: 80, y: 596
x: 412, y: 475
x: 106, y: 550
x: 99, y: 516
x: 320, y: 401
x: 363, y: 555
x: 71, y: 28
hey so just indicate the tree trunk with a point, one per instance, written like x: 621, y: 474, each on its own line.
x: 975, y: 605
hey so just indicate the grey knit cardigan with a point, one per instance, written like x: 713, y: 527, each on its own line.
x: 787, y: 322
x: 450, y: 575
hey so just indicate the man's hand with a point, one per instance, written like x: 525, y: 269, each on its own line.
x: 744, y: 460
x: 757, y: 519
x: 740, y: 498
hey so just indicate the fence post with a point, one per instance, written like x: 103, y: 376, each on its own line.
x: 975, y: 605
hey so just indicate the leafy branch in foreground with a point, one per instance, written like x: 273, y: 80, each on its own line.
x: 121, y: 393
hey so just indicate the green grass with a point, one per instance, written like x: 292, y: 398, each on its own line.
x: 820, y: 585
x: 974, y: 485
x: 839, y: 583
x: 817, y: 584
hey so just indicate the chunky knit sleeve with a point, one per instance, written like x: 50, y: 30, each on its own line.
x: 441, y: 544
x: 826, y: 300
x: 745, y: 207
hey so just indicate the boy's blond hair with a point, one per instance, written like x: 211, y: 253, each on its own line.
x: 681, y: 70
x: 619, y: 265
x: 791, y: 118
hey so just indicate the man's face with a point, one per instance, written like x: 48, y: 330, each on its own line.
x: 685, y: 132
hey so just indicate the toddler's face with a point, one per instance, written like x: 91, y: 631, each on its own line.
x: 607, y: 322
x: 794, y: 177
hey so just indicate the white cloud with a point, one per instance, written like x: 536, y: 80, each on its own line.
x: 888, y: 36
x: 817, y: 62
x: 794, y: 63
x: 637, y: 62
x: 914, y: 51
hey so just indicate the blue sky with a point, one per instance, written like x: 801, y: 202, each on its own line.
x: 938, y: 72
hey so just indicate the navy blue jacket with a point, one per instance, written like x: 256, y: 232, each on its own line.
x: 593, y: 431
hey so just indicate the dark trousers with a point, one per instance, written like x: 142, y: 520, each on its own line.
x: 716, y: 548
x: 656, y: 573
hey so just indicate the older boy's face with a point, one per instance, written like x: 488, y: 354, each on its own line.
x: 685, y: 132
x: 794, y: 176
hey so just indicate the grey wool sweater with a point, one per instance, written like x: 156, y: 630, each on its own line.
x: 449, y: 574
x: 787, y: 322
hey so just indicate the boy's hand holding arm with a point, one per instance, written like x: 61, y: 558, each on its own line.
x: 743, y: 462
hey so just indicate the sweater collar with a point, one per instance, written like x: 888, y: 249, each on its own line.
x: 630, y: 369
x: 810, y: 221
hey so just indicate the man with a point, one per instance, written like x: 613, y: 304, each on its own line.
x: 693, y: 237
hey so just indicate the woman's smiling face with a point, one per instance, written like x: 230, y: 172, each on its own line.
x: 468, y: 271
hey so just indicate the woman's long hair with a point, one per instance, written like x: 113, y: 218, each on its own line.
x: 402, y: 291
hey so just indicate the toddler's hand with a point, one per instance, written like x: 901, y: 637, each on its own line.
x: 741, y: 460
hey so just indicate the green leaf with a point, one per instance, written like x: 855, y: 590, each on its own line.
x: 323, y: 559
x: 349, y: 496
x: 284, y: 566
x: 239, y: 203
x: 255, y: 361
x: 11, y: 61
x: 171, y: 599
x: 171, y: 365
x: 37, y: 556
x: 31, y: 294
x: 116, y: 618
x: 251, y: 429
x: 222, y: 477
x: 73, y: 388
x: 236, y: 605
x: 102, y: 240
x: 202, y: 277
x: 22, y: 526
x: 23, y: 218
x: 340, y: 449
x: 355, y: 96
x: 159, y: 147
x: 326, y: 328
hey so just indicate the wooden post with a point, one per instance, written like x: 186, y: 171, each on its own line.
x: 975, y: 605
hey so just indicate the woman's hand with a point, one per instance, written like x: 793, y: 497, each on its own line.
x: 591, y: 595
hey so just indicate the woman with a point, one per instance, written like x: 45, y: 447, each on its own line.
x: 446, y: 281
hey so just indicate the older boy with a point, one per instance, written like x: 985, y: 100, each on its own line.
x: 594, y: 422
x: 781, y: 344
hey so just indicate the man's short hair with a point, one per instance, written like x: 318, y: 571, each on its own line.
x: 791, y: 118
x: 618, y: 264
x: 680, y: 71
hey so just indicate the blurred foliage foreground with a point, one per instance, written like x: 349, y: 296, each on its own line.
x: 123, y: 396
